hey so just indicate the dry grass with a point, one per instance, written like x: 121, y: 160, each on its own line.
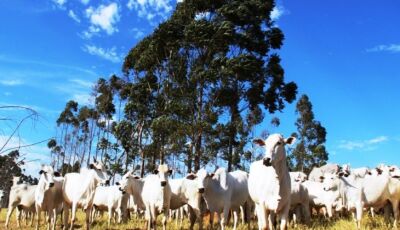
x: 138, y: 224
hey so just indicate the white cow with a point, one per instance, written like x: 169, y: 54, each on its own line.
x: 224, y: 191
x: 318, y: 172
x: 156, y: 195
x: 269, y: 181
x: 48, y: 195
x: 23, y: 196
x: 299, y: 199
x: 320, y: 198
x: 351, y: 192
x: 346, y: 170
x: 133, y: 186
x: 111, y: 199
x: 186, y: 191
x: 79, y: 189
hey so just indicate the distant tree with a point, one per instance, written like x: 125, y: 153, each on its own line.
x: 310, y: 150
x: 10, y: 165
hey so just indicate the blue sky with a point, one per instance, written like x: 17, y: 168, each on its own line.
x: 343, y: 54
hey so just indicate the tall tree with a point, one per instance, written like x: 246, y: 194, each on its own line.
x: 310, y: 150
x: 210, y: 58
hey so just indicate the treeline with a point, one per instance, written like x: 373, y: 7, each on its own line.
x: 191, y: 92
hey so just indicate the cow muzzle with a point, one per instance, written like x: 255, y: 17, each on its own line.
x: 201, y: 190
x: 163, y: 183
x: 267, y: 162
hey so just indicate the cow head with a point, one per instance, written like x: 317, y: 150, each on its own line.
x: 298, y: 176
x: 100, y: 172
x: 163, y: 172
x: 344, y: 170
x: 202, y: 177
x: 274, y: 146
x: 47, y: 175
x: 330, y: 181
x: 125, y: 184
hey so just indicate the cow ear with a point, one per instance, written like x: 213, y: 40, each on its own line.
x: 91, y: 166
x: 290, y: 140
x: 40, y: 172
x: 191, y: 176
x: 57, y: 174
x: 259, y: 142
x: 170, y: 172
x: 155, y: 171
x: 117, y: 183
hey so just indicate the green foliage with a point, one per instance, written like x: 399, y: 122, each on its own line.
x: 310, y: 150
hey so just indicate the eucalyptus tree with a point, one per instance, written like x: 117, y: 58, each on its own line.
x: 310, y: 150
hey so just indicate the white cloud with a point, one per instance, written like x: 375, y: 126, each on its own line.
x: 60, y: 2
x: 108, y: 54
x: 85, y: 1
x: 277, y: 12
x: 137, y: 33
x: 150, y: 8
x: 83, y: 98
x: 82, y: 83
x: 72, y: 15
x: 102, y: 18
x: 393, y: 48
x: 364, y: 145
x: 11, y: 82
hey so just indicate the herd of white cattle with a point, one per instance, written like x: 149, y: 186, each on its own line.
x: 269, y: 192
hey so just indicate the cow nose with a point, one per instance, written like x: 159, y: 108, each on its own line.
x: 201, y: 190
x: 163, y: 183
x: 107, y: 182
x: 267, y: 161
x: 51, y: 185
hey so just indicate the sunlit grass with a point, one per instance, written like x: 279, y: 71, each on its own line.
x: 368, y: 223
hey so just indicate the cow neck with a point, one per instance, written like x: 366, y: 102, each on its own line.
x: 40, y: 190
x: 282, y: 172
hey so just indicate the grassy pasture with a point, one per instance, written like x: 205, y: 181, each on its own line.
x: 138, y: 224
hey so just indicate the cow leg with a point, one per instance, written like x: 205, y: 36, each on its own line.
x: 48, y: 219
x: 153, y: 217
x: 9, y: 212
x: 262, y: 216
x: 211, y: 220
x: 110, y: 216
x: 358, y: 215
x: 283, y: 216
x: 235, y: 218
x: 73, y: 214
x: 66, y: 216
x: 329, y: 210
x: 88, y: 211
x: 225, y: 216
x: 37, y: 218
x: 395, y: 206
x: 306, y: 211
x: 18, y: 216
x: 164, y: 219
x: 54, y: 220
